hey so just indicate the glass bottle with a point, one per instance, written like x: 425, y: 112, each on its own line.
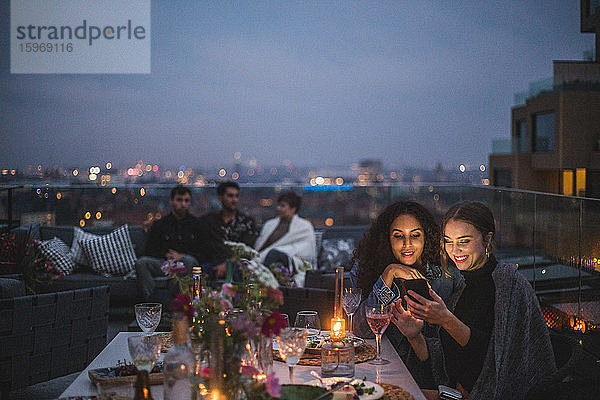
x: 197, y: 290
x: 178, y: 364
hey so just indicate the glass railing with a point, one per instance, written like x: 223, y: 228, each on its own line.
x: 554, y: 239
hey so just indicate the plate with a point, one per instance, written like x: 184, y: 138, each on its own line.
x: 109, y: 375
x: 377, y: 394
x: 315, y: 343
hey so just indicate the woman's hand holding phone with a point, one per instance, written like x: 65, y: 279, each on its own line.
x: 433, y: 311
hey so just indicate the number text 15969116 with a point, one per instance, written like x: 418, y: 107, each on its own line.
x: 46, y: 47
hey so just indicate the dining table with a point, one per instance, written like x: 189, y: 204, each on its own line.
x: 394, y: 373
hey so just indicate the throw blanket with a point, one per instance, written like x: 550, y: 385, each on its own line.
x: 297, y: 243
x: 519, y: 354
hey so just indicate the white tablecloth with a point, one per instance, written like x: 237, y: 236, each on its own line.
x: 394, y: 373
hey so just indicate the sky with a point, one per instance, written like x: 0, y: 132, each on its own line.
x: 315, y: 83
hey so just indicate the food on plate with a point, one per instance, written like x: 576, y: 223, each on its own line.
x: 346, y: 392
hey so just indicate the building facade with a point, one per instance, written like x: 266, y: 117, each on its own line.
x: 555, y: 133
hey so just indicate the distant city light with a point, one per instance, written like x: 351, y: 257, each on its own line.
x: 250, y: 172
x: 113, y: 190
x: 87, y: 215
x: 75, y: 172
x: 319, y: 180
x: 94, y: 170
x: 273, y: 171
x: 58, y: 195
x: 339, y: 181
x: 155, y: 168
x: 482, y: 168
x: 462, y: 168
x: 436, y: 197
x: 46, y: 195
x: 329, y: 221
x: 148, y: 168
x: 98, y: 215
x: 180, y: 174
x: 252, y: 163
x: 39, y: 167
x: 13, y: 171
x: 430, y: 188
x: 93, y: 177
x: 235, y: 176
x: 81, y: 223
x: 237, y: 156
x: 222, y: 172
x: 485, y: 181
x: 393, y: 175
x: 4, y: 172
x: 168, y: 174
x: 142, y: 192
x: 266, y: 202
x: 182, y: 167
x: 38, y: 191
x: 108, y: 165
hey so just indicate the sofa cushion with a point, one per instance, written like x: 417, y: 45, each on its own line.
x: 10, y: 288
x: 335, y: 252
x: 59, y: 254
x: 76, y: 249
x: 112, y: 254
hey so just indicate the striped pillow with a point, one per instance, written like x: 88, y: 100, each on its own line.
x: 59, y: 254
x: 76, y: 250
x: 111, y: 254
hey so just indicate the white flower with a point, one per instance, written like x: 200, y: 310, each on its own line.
x: 262, y: 274
x: 241, y: 250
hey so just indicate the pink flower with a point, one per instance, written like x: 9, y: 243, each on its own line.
x: 249, y: 370
x: 275, y: 294
x: 245, y: 325
x: 272, y: 385
x: 228, y: 289
x: 181, y: 305
x: 207, y: 372
x: 178, y: 270
x: 273, y: 324
x: 226, y: 304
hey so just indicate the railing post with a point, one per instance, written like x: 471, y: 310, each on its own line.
x: 9, y: 206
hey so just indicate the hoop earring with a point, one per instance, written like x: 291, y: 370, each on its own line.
x: 487, y: 252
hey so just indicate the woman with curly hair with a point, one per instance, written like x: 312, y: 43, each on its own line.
x: 403, y: 242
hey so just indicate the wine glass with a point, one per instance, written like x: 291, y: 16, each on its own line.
x: 291, y: 343
x: 308, y: 320
x: 379, y: 317
x: 144, y: 351
x: 350, y: 302
x: 147, y: 316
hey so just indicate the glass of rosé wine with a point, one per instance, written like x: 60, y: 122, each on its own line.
x: 379, y: 317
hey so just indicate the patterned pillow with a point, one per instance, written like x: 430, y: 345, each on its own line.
x: 110, y: 254
x: 76, y: 250
x: 59, y: 254
x: 335, y: 252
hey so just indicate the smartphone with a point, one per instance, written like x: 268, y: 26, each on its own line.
x: 418, y: 286
x: 447, y: 393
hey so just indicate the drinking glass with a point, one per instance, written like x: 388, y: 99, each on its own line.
x: 144, y: 351
x: 147, y: 316
x: 350, y: 302
x: 308, y: 320
x: 291, y: 343
x: 379, y: 317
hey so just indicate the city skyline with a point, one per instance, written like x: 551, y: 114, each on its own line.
x: 410, y: 84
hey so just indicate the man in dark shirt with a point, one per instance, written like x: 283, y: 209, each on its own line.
x: 179, y: 237
x: 228, y: 224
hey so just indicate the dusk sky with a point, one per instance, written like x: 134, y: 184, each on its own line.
x: 409, y: 82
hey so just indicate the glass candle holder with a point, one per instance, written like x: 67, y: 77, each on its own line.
x: 337, y: 359
x: 338, y: 328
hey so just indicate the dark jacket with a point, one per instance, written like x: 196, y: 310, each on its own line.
x: 187, y: 235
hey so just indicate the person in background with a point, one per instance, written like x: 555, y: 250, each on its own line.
x: 401, y: 243
x: 493, y: 342
x: 228, y: 224
x: 288, y: 239
x: 178, y: 236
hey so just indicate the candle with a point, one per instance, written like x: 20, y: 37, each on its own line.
x: 338, y: 328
